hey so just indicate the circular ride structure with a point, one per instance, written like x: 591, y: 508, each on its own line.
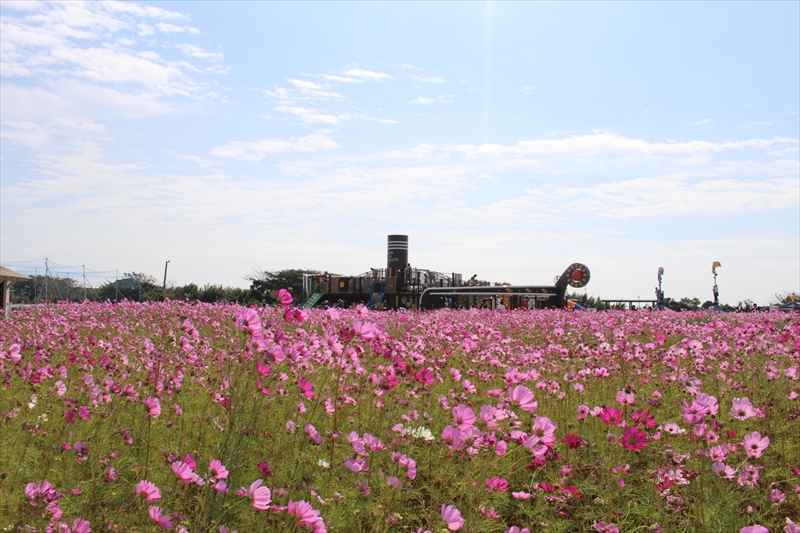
x: 400, y: 286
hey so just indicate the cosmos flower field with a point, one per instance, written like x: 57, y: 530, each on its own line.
x: 209, y: 418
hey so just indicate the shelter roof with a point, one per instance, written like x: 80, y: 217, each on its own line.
x: 8, y: 274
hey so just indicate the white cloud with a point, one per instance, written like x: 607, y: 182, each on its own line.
x: 256, y: 150
x: 704, y: 122
x: 367, y: 74
x: 192, y: 50
x: 304, y: 84
x: 439, y: 99
x: 527, y: 89
x: 166, y: 27
x: 649, y: 197
x: 310, y: 116
x: 340, y: 79
x: 763, y: 123
x: 427, y: 79
x: 145, y: 30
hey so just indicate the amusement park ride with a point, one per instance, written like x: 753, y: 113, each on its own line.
x: 400, y: 285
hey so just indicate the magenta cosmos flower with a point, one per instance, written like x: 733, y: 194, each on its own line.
x: 261, y: 495
x: 452, y: 517
x: 633, y: 439
x: 284, y: 296
x: 463, y: 416
x: 754, y: 444
x: 611, y: 416
x: 153, y: 407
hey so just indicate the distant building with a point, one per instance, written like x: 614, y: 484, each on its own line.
x: 7, y: 278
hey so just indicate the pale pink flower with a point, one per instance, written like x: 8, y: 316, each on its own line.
x: 756, y: 528
x: 157, y: 515
x: 61, y: 389
x: 355, y: 465
x: 742, y: 409
x: 13, y: 353
x: 754, y: 444
x: 261, y: 495
x: 625, y: 398
x: 521, y: 495
x: 523, y: 397
x: 777, y: 496
x: 452, y: 517
x: 469, y: 388
x: 148, y: 490
x: 791, y: 527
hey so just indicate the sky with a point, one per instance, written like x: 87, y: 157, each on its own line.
x: 507, y: 140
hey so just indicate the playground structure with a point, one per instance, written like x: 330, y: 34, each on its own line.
x: 401, y: 286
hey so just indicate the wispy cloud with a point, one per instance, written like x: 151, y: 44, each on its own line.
x: 310, y: 116
x: 439, y: 99
x: 704, y: 122
x: 172, y: 28
x: 427, y: 79
x: 367, y: 74
x: 762, y: 123
x: 527, y: 89
x: 256, y: 150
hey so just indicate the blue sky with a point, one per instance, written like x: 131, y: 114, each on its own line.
x: 506, y: 139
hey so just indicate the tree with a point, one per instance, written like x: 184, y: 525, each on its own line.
x: 688, y: 304
x: 48, y: 288
x: 264, y: 283
x: 135, y: 286
x: 783, y: 297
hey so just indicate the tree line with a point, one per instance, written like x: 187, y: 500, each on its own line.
x: 140, y: 287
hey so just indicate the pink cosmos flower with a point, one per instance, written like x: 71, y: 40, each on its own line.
x: 84, y: 412
x: 394, y: 482
x: 756, y: 528
x: 157, y: 515
x: 452, y: 517
x: 754, y: 444
x: 523, y: 397
x: 469, y: 388
x: 791, y: 527
x: 521, y: 495
x: 148, y: 490
x: 306, y: 387
x: 303, y: 513
x: 153, y: 406
x: 463, y: 416
x: 355, y: 465
x: 625, y: 398
x: 81, y: 526
x: 13, y: 353
x: 742, y: 409
x: 261, y: 495
x: 777, y: 496
x: 220, y: 486
x: 218, y: 469
x: 247, y: 319
x: 183, y: 471
x: 602, y: 527
x: 313, y: 433
x: 284, y: 296
x: 515, y: 529
x: 61, y: 389
x: 545, y: 429
x: 497, y: 483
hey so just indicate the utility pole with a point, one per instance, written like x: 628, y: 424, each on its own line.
x: 166, y: 265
